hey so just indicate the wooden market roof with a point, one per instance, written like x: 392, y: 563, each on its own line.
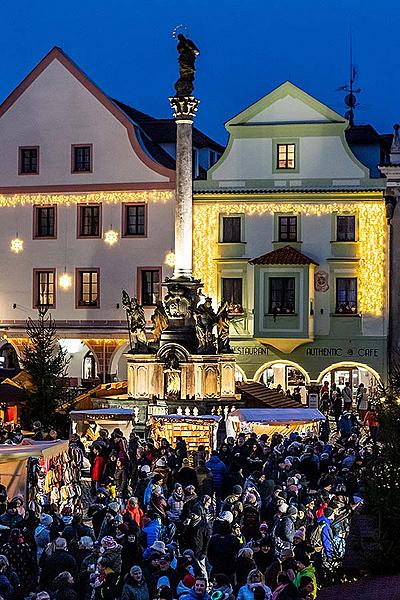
x: 257, y: 395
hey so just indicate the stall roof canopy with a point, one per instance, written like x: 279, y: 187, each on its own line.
x: 276, y: 415
x: 188, y: 418
x: 29, y: 448
x: 124, y: 414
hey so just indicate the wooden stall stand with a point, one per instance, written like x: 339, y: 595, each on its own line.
x: 274, y: 420
x: 105, y: 418
x: 194, y: 430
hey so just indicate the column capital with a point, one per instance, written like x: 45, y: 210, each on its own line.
x: 184, y: 107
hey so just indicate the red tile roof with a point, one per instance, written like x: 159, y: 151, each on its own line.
x: 283, y: 256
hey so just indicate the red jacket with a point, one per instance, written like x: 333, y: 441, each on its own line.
x: 97, y: 468
x: 371, y: 419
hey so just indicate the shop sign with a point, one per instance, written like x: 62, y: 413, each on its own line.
x: 251, y: 351
x: 338, y: 352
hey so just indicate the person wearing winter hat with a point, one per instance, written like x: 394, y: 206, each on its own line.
x: 42, y: 533
x: 227, y: 516
x: 264, y: 529
x: 111, y: 552
x: 198, y: 591
x: 185, y: 585
x: 135, y: 586
x: 159, y: 547
x: 60, y: 561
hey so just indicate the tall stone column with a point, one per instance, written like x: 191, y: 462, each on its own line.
x: 184, y: 108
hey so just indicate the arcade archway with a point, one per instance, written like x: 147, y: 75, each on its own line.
x: 354, y: 372
x: 286, y: 373
x: 118, y: 363
x: 240, y: 375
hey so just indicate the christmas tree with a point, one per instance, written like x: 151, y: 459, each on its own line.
x: 383, y: 478
x: 46, y: 363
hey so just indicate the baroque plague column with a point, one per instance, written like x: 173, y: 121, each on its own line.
x: 187, y: 363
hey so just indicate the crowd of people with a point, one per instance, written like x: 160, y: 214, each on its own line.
x: 260, y: 518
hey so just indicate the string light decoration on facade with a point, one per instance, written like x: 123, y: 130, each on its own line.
x: 170, y: 259
x: 10, y: 200
x: 111, y: 237
x: 65, y: 281
x: 17, y: 245
x: 372, y: 228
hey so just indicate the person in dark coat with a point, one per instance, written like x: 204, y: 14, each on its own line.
x: 222, y: 551
x: 135, y: 586
x: 22, y: 558
x: 244, y: 564
x: 121, y: 478
x: 186, y: 475
x: 64, y: 585
x: 11, y: 518
x: 196, y: 534
x: 61, y: 560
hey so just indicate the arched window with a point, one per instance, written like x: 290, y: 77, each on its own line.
x: 8, y: 358
x: 89, y: 366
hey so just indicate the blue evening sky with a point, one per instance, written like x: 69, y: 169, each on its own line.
x: 247, y: 49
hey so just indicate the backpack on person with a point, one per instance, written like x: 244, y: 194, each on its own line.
x: 316, y: 536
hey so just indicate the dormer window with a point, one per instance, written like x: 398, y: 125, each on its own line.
x: 286, y: 156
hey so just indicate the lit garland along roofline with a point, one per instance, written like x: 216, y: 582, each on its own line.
x: 372, y: 237
x: 11, y: 200
x: 306, y: 196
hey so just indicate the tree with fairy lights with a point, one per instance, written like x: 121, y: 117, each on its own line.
x: 383, y: 478
x: 46, y: 363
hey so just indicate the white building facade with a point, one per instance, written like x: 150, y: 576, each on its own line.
x: 81, y: 191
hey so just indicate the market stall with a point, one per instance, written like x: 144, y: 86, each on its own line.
x: 19, y: 476
x: 271, y: 420
x: 88, y: 423
x: 194, y: 430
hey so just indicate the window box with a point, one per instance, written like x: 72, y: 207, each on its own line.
x: 231, y: 249
x: 345, y: 249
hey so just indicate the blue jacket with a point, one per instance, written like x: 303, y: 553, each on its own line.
x: 218, y: 470
x: 246, y: 592
x: 152, y: 531
x: 42, y: 538
x: 326, y: 535
x: 193, y: 596
x: 345, y: 425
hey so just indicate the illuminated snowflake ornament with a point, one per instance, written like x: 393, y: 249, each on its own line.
x: 17, y: 245
x: 111, y: 237
x: 65, y: 281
